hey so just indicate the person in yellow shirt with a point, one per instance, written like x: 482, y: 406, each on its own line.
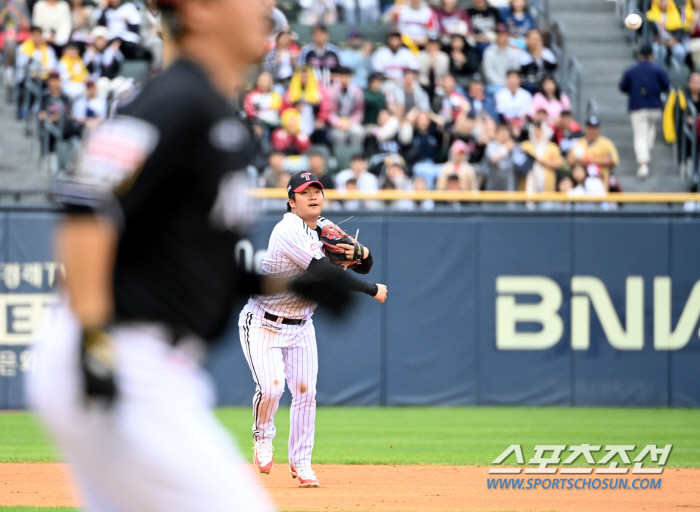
x: 35, y: 60
x: 73, y: 72
x: 548, y: 160
x: 595, y: 151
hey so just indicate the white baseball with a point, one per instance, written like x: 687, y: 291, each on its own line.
x: 633, y: 21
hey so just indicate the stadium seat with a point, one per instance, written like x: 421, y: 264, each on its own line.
x: 343, y: 154
x: 136, y: 69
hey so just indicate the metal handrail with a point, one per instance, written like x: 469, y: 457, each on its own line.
x: 689, y: 132
x: 573, y: 84
x: 592, y: 108
x: 557, y: 31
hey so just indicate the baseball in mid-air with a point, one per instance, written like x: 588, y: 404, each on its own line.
x: 633, y: 21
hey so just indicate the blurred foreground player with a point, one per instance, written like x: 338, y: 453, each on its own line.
x: 153, y: 216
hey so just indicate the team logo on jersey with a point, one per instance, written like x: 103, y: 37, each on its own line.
x: 313, y: 247
x: 234, y: 208
x: 229, y: 135
x: 306, y: 175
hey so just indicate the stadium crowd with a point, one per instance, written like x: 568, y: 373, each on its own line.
x: 452, y: 98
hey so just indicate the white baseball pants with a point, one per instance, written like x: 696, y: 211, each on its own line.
x: 159, y: 448
x: 644, y: 129
x: 277, y: 352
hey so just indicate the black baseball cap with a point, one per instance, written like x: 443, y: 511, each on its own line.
x: 300, y: 180
x: 593, y: 121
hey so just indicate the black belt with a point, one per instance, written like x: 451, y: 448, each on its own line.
x: 286, y: 321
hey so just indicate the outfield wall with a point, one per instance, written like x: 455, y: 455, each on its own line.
x: 481, y: 310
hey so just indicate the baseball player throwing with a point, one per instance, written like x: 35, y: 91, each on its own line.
x: 277, y: 333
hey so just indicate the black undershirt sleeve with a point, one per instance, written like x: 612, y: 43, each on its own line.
x: 364, y: 266
x: 324, y: 269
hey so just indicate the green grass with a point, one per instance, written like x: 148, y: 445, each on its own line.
x: 440, y: 435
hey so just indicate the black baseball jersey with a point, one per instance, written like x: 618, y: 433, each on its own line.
x: 170, y: 169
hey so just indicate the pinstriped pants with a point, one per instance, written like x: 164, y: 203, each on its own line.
x: 276, y: 352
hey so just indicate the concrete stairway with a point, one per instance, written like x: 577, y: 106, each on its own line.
x: 595, y: 36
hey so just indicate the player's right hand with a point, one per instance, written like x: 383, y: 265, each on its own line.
x: 381, y: 294
x: 97, y: 354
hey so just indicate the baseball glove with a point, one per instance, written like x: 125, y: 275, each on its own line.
x: 331, y: 236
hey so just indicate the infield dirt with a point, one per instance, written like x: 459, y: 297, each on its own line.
x: 389, y: 489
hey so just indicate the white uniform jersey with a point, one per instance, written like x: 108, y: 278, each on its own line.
x: 393, y: 64
x: 416, y: 23
x: 293, y: 245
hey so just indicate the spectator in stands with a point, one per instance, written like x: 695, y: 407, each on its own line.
x: 415, y: 20
x: 583, y: 183
x: 644, y: 82
x: 536, y: 61
x: 433, y: 64
x: 425, y: 148
x: 14, y: 30
x: 464, y: 131
x: 419, y: 185
x: 314, y: 12
x: 499, y: 58
x: 449, y: 102
x: 408, y: 96
x: 152, y: 32
x: 513, y: 103
x: 394, y: 177
x: 82, y: 22
x: 550, y: 98
x: 274, y: 169
x: 670, y: 30
x: 393, y: 59
x: 480, y: 104
x: 547, y: 159
x: 278, y: 21
x: 500, y: 174
x: 694, y: 34
x: 123, y: 22
x: 360, y: 12
x: 89, y: 110
x: 566, y: 132
x: 321, y: 55
x: 692, y: 94
x: 73, y: 72
x: 35, y: 60
x: 104, y: 62
x: 518, y: 20
x: 596, y: 152
x: 281, y: 61
x: 310, y: 99
x: 364, y: 180
x: 319, y: 166
x: 452, y: 20
x: 458, y: 165
x: 54, y: 18
x: 289, y: 137
x: 464, y: 60
x: 357, y: 56
x: 55, y: 114
x: 347, y: 110
x: 485, y: 20
x: 389, y: 136
x: 375, y: 101
x: 264, y: 104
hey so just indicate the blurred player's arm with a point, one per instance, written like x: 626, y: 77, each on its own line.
x: 325, y: 270
x: 86, y: 245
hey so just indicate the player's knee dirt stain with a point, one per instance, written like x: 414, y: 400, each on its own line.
x: 302, y: 388
x: 276, y: 383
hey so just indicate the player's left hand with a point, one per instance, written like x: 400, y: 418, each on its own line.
x: 352, y: 251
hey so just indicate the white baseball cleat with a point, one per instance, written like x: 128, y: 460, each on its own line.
x: 262, y: 458
x: 307, y: 477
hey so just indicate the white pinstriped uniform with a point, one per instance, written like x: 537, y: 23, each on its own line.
x: 277, y: 352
